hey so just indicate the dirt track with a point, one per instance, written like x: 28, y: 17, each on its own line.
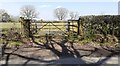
x: 60, y: 52
x: 45, y: 56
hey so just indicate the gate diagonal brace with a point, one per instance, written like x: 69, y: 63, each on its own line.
x: 43, y: 26
x: 59, y: 28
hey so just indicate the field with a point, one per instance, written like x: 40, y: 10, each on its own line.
x: 49, y: 27
x: 9, y: 25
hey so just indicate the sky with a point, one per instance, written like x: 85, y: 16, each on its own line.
x: 46, y: 7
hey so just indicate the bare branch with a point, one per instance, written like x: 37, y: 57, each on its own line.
x: 74, y: 15
x: 2, y: 11
x: 28, y: 11
x: 61, y: 13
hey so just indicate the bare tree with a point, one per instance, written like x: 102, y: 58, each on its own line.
x: 28, y: 11
x: 5, y: 17
x: 74, y: 15
x: 2, y: 11
x: 61, y: 13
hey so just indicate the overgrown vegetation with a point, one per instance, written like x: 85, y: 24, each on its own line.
x: 101, y: 28
x: 97, y: 29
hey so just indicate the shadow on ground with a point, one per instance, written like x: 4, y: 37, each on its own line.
x: 67, y: 54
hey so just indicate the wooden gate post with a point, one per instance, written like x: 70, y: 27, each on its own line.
x: 25, y: 23
x: 78, y: 30
x: 68, y: 29
x: 27, y: 27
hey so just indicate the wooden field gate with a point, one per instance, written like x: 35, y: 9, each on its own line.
x: 55, y: 27
x: 50, y: 27
x: 61, y: 27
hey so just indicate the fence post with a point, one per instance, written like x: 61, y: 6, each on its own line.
x: 27, y: 28
x: 78, y: 30
x: 68, y: 26
x: 25, y: 23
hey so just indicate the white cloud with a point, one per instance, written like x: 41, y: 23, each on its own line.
x: 43, y: 6
x: 58, y: 6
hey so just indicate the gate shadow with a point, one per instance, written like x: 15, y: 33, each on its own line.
x: 68, y: 55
